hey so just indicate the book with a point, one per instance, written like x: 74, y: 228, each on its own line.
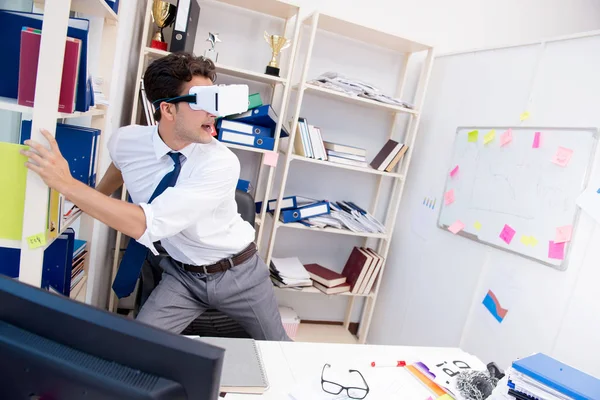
x: 386, y: 155
x: 243, y: 368
x: 324, y: 276
x: 341, y: 288
x: 343, y: 148
x: 396, y: 159
x: 356, y: 268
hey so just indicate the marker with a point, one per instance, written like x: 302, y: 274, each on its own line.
x: 389, y: 364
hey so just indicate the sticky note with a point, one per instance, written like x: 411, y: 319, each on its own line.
x: 445, y: 397
x: 525, y: 240
x: 506, y: 137
x: 36, y: 241
x: 454, y: 172
x: 270, y: 158
x: 449, y: 197
x: 507, y: 234
x: 563, y: 234
x: 556, y: 250
x: 536, y: 140
x: 532, y: 241
x: 473, y: 136
x: 456, y: 227
x: 488, y: 137
x: 525, y: 116
x: 477, y: 225
x: 562, y: 156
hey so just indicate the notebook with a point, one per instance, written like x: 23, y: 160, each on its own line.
x: 243, y: 369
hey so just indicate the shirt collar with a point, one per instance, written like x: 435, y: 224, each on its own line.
x: 161, y: 148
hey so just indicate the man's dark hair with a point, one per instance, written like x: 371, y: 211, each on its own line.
x: 165, y: 77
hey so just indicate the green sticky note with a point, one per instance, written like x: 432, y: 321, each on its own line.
x: 35, y: 241
x: 477, y: 225
x: 13, y: 178
x: 488, y: 137
x: 473, y: 136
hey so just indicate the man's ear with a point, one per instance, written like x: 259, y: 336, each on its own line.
x: 167, y: 111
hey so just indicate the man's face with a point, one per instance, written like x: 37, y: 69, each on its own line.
x: 194, y: 126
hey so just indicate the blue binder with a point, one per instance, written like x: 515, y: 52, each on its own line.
x: 286, y: 204
x: 58, y: 262
x: 311, y: 210
x: 10, y: 261
x: 243, y: 127
x: 78, y: 145
x: 11, y: 23
x: 260, y: 142
x: 262, y: 116
x: 559, y: 376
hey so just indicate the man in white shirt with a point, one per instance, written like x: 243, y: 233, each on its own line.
x: 182, y: 186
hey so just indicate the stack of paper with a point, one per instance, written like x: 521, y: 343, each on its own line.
x: 347, y: 215
x: 289, y: 272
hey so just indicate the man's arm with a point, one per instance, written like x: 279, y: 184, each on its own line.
x: 51, y: 166
x: 111, y: 181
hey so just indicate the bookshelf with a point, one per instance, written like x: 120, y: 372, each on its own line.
x: 44, y: 114
x: 321, y: 22
x: 279, y: 95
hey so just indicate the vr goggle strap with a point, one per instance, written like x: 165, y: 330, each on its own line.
x: 188, y: 98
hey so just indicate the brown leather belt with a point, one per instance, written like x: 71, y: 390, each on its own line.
x: 224, y: 264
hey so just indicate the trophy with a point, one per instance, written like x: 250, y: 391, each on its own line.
x: 277, y: 44
x: 213, y: 38
x: 163, y: 15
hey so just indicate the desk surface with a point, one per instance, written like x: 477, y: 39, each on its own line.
x: 289, y: 365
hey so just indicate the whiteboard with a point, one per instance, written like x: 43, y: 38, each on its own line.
x: 505, y: 195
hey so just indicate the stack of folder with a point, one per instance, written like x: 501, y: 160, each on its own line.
x: 542, y: 377
x: 344, y: 154
x: 289, y: 273
x: 309, y: 141
x: 296, y: 208
x: 254, y: 128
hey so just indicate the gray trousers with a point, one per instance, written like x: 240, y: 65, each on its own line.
x: 244, y: 292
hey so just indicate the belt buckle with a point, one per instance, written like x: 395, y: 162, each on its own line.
x: 231, y: 264
x: 205, y: 270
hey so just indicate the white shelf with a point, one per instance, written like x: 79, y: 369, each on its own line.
x: 246, y: 148
x: 227, y: 70
x: 11, y: 244
x: 12, y: 105
x: 94, y: 8
x: 344, y: 166
x: 334, y: 94
x: 273, y: 8
x: 314, y: 290
x: 297, y: 225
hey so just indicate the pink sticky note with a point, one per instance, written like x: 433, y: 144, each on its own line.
x: 506, y: 137
x: 536, y: 140
x: 507, y: 234
x: 454, y: 172
x: 562, y: 156
x: 556, y: 250
x: 456, y: 227
x: 563, y: 234
x: 449, y: 197
x: 271, y: 158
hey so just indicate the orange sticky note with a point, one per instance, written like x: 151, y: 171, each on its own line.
x: 271, y: 158
x: 35, y: 241
x: 563, y: 234
x: 449, y: 197
x: 456, y: 227
x: 562, y: 156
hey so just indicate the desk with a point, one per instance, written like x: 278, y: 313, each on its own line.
x: 289, y: 364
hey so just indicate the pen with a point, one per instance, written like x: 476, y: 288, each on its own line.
x: 388, y: 364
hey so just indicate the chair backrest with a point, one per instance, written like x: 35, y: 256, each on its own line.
x: 246, y: 206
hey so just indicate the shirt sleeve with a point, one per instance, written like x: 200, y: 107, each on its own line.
x: 112, y: 147
x: 200, y: 197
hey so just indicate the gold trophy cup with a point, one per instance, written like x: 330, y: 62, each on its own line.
x: 163, y: 15
x: 277, y: 43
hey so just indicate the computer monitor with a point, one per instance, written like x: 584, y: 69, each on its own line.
x: 54, y: 348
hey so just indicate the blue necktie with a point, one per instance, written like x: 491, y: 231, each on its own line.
x: 134, y: 256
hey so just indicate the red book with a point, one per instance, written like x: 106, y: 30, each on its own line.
x: 343, y: 288
x: 355, y: 269
x: 28, y: 66
x: 324, y: 275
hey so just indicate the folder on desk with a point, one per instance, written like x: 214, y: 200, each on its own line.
x: 11, y: 23
x: 260, y: 142
x: 310, y: 210
x: 242, y: 127
x: 263, y: 116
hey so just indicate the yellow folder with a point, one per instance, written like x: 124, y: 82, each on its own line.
x: 13, y: 178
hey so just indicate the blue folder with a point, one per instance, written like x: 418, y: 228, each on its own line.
x: 560, y: 377
x: 9, y: 265
x: 242, y: 127
x: 78, y: 146
x: 58, y: 263
x: 260, y: 142
x: 11, y: 23
x: 261, y: 116
x: 308, y: 211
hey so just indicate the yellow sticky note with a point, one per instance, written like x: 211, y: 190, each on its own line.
x: 445, y: 397
x: 525, y: 240
x: 525, y: 115
x: 477, y: 225
x: 473, y: 136
x: 36, y: 241
x: 271, y: 158
x: 13, y: 179
x: 532, y: 241
x: 489, y: 136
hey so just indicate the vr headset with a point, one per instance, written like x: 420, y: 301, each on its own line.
x: 218, y: 100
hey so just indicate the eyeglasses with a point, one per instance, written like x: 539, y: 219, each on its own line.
x: 336, y: 388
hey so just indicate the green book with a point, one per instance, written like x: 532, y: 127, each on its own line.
x: 254, y: 101
x: 13, y: 179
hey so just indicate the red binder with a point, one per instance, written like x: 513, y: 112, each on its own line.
x: 28, y: 66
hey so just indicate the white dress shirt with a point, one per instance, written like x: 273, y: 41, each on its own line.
x: 196, y: 221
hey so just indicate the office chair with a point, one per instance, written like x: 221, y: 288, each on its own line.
x: 212, y: 322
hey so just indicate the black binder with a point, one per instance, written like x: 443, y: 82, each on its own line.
x: 185, y: 26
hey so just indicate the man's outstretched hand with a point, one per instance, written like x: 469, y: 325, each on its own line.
x: 50, y: 165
